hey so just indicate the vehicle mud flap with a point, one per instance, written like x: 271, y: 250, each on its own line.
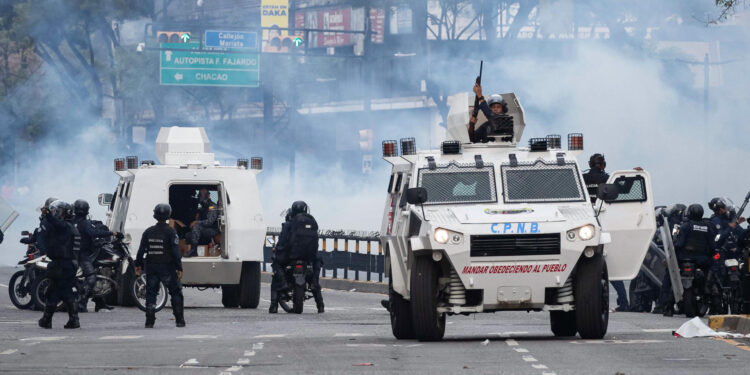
x: 563, y: 323
x: 298, y: 298
x: 429, y: 325
x: 230, y: 295
x: 687, y: 283
x: 592, y: 297
x: 299, y: 279
x: 401, y: 316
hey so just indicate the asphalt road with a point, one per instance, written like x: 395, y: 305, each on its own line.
x: 353, y: 336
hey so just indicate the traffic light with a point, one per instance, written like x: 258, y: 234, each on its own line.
x: 173, y: 36
x: 285, y: 43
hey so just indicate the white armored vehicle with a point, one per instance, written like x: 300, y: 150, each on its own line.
x: 232, y: 258
x: 484, y: 227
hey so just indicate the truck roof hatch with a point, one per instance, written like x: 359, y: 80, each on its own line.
x: 183, y: 146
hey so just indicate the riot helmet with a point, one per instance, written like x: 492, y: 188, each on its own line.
x: 60, y: 210
x: 162, y: 212
x: 299, y: 207
x: 676, y: 210
x: 49, y: 201
x: 714, y: 204
x: 498, y: 99
x: 81, y: 207
x: 695, y: 212
x: 597, y: 159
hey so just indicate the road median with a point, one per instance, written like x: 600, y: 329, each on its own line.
x: 343, y: 284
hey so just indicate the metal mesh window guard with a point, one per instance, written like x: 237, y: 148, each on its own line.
x: 541, y: 182
x: 631, y: 189
x: 459, y: 183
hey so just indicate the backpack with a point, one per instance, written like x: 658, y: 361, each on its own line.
x: 303, y: 243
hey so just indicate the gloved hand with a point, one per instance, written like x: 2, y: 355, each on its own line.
x: 25, y: 240
x: 119, y: 235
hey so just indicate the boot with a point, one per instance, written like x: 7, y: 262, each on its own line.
x: 274, y: 308
x: 46, y: 320
x: 72, y: 316
x: 179, y: 314
x: 386, y: 304
x: 150, y: 316
x: 321, y: 308
x: 101, y: 305
x: 668, y: 311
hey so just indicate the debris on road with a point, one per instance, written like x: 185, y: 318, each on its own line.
x: 486, y: 342
x: 363, y: 364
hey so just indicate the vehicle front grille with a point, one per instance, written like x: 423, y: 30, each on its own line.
x: 515, y: 244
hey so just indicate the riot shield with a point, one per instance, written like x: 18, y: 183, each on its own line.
x: 7, y: 215
x: 672, y: 266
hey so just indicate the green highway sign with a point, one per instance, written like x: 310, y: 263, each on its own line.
x: 188, y: 68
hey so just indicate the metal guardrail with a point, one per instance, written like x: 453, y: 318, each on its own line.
x: 362, y: 259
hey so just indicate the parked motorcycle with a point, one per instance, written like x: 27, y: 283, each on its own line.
x: 20, y: 284
x: 694, y: 300
x: 298, y: 275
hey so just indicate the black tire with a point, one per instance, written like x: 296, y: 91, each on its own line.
x: 689, y: 303
x: 124, y: 297
x: 20, y: 295
x: 230, y: 295
x: 250, y: 285
x: 563, y: 323
x: 138, y: 293
x: 592, y: 297
x: 39, y: 292
x: 401, y: 317
x: 284, y: 303
x: 298, y: 298
x: 429, y: 325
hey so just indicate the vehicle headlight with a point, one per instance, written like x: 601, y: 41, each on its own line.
x: 586, y: 232
x: 583, y: 233
x: 441, y: 235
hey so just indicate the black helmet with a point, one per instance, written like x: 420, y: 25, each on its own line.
x: 162, y: 212
x: 676, y: 210
x: 299, y: 207
x: 49, y: 202
x: 713, y: 204
x: 695, y: 212
x: 60, y: 210
x: 597, y: 159
x: 81, y: 207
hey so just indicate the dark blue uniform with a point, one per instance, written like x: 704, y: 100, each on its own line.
x: 38, y: 237
x: 160, y: 247
x: 280, y: 259
x: 63, y: 244
x: 88, y: 233
x: 695, y: 241
x: 204, y: 229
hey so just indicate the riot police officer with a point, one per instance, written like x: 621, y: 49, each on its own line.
x: 303, y: 245
x: 37, y: 238
x: 595, y: 176
x: 694, y: 241
x: 88, y: 232
x: 493, y: 107
x: 203, y: 230
x: 160, y: 246
x: 62, y: 243
x: 724, y: 219
x: 280, y: 259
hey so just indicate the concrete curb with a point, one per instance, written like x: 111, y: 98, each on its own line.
x: 730, y: 323
x: 342, y: 284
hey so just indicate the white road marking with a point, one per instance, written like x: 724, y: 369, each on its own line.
x: 120, y: 337
x: 9, y: 351
x: 197, y: 337
x: 549, y: 373
x: 269, y: 336
x: 258, y: 346
x: 249, y: 353
x: 521, y: 350
x: 511, y: 342
x: 3, y: 285
x: 33, y: 343
x: 243, y: 361
x: 529, y: 358
x: 45, y: 338
x: 658, y: 330
x: 233, y: 369
x: 347, y: 335
x: 539, y: 366
x: 513, y: 333
x: 191, y: 363
x: 366, y: 345
x: 617, y: 342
